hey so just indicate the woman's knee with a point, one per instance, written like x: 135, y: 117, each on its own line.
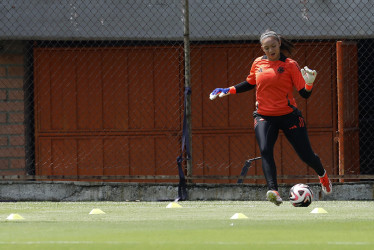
x: 311, y: 159
x: 266, y: 152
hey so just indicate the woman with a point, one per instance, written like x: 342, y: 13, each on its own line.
x: 274, y: 75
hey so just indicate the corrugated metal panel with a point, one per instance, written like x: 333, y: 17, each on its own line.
x: 162, y: 20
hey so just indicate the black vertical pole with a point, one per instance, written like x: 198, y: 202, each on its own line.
x: 187, y: 85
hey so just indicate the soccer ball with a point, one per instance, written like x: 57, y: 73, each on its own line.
x: 301, y: 195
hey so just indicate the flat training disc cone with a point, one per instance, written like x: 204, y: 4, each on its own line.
x: 173, y: 205
x: 238, y: 216
x: 15, y: 217
x: 97, y: 211
x: 318, y: 210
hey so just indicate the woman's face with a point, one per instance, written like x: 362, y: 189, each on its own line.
x: 271, y: 46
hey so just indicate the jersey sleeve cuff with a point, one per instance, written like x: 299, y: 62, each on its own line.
x: 309, y: 87
x: 232, y: 90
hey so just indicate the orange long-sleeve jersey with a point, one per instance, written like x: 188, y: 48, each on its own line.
x: 275, y: 81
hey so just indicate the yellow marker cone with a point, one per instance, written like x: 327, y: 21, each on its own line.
x: 173, y: 205
x: 238, y: 216
x: 318, y: 210
x: 15, y: 217
x: 97, y: 211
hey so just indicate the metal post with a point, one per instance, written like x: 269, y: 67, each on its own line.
x: 187, y: 84
x: 339, y: 69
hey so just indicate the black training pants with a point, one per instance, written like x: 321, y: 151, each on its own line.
x: 294, y: 128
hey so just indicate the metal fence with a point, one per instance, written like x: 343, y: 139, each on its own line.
x: 96, y: 89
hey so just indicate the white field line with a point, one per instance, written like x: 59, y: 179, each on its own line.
x: 345, y: 243
x: 61, y: 242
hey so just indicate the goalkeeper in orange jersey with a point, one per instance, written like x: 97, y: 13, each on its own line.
x: 275, y: 76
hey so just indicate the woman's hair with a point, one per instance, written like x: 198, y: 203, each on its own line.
x: 286, y: 45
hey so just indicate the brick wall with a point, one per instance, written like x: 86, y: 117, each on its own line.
x: 12, y: 128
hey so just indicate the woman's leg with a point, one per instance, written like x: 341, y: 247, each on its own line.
x: 266, y: 134
x: 295, y: 131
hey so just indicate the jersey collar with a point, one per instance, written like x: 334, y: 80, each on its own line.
x: 282, y: 57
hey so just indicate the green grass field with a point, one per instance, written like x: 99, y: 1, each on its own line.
x: 197, y: 225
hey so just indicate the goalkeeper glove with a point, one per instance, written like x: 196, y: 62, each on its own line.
x: 221, y: 92
x: 309, y: 77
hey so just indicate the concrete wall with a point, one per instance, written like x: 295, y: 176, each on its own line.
x: 85, y: 191
x: 163, y: 19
